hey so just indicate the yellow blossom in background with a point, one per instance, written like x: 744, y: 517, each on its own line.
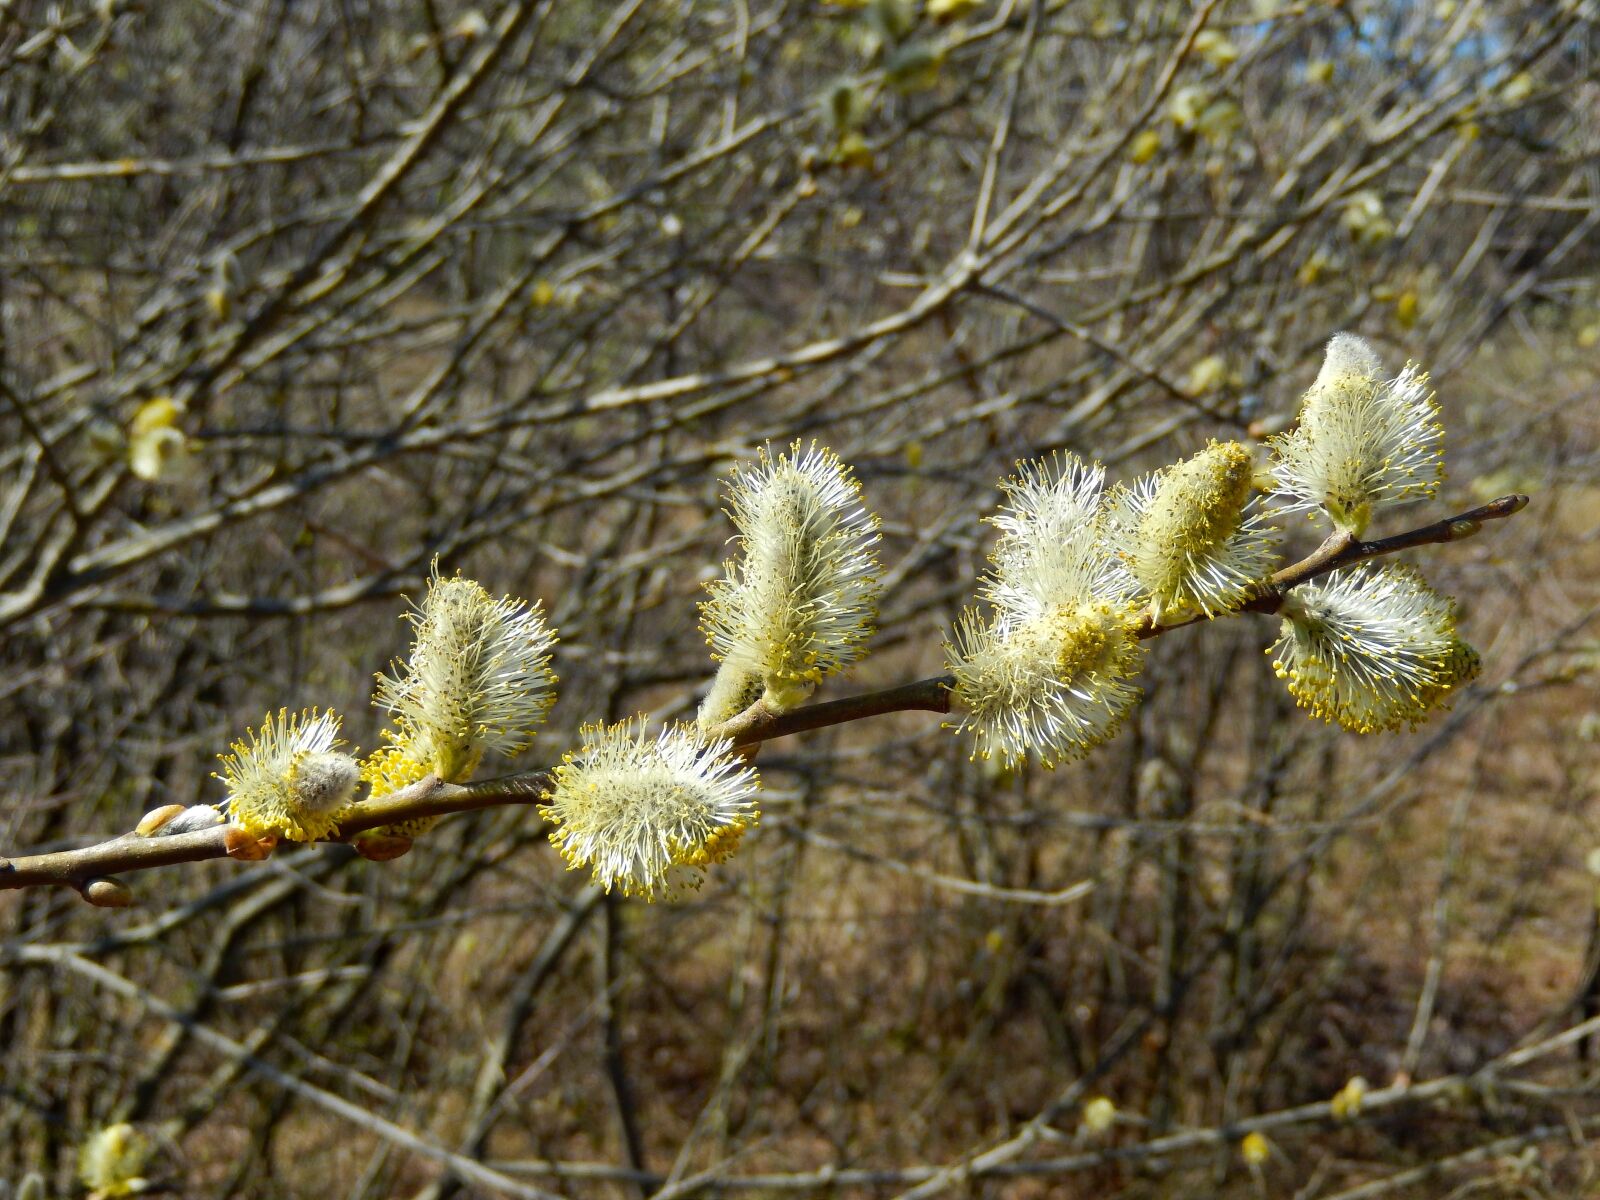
x: 1517, y: 89
x: 893, y: 19
x: 1214, y: 46
x: 1186, y: 105
x: 952, y: 10
x: 226, y: 277
x: 852, y: 150
x: 1314, y: 268
x: 846, y: 106
x: 1099, y: 1114
x: 1319, y: 71
x: 1255, y: 1149
x: 1219, y: 120
x: 1208, y: 375
x: 111, y: 1161
x: 1406, y: 306
x: 914, y: 67
x: 1346, y: 1104
x: 1145, y: 146
x: 1365, y: 221
x: 471, y: 25
x: 154, y: 440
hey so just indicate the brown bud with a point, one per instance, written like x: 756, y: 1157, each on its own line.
x: 108, y: 893
x: 381, y: 847
x: 1265, y: 427
x: 247, y: 848
x: 156, y: 818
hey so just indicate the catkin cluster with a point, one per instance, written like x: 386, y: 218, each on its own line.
x: 1045, y: 663
x: 1079, y: 573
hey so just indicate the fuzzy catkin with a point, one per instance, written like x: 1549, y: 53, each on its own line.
x: 476, y: 681
x: 1192, y: 534
x: 288, y: 778
x: 795, y: 605
x: 1363, y: 442
x: 1371, y: 648
x: 647, y: 814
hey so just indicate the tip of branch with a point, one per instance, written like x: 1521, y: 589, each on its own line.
x: 1504, y: 506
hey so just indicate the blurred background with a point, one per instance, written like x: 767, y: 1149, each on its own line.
x: 295, y: 297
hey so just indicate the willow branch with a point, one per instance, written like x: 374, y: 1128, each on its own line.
x: 88, y: 866
x: 1341, y: 550
x: 431, y: 797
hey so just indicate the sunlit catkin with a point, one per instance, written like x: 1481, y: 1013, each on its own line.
x: 288, y: 777
x: 1051, y: 552
x: 1050, y: 669
x: 648, y: 813
x: 1191, y: 533
x: 1371, y: 649
x: 1363, y: 441
x: 796, y: 603
x: 1057, y: 683
x: 477, y: 680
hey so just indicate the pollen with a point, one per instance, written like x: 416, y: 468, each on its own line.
x: 1371, y: 650
x: 111, y: 1161
x: 1056, y: 685
x: 1189, y: 535
x: 288, y: 777
x: 648, y: 814
x: 407, y: 759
